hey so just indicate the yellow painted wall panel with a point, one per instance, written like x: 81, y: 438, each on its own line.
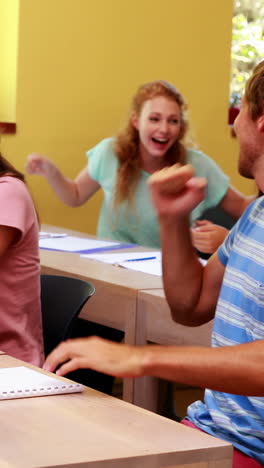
x: 79, y: 63
x: 8, y: 59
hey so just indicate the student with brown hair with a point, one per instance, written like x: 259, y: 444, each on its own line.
x: 20, y: 312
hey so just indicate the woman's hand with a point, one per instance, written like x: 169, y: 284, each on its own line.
x: 207, y: 237
x: 72, y: 192
x: 40, y: 165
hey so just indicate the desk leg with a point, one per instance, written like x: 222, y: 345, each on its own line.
x: 149, y: 392
x: 128, y: 390
x: 145, y: 388
x: 130, y: 338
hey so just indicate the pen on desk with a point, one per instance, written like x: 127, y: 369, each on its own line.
x: 52, y: 236
x: 140, y: 259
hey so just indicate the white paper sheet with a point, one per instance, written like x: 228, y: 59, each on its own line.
x: 153, y: 267
x: 45, y: 235
x: 74, y: 244
x: 21, y: 382
x: 137, y: 261
x: 116, y: 258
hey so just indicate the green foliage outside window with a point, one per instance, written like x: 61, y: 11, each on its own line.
x: 247, y: 44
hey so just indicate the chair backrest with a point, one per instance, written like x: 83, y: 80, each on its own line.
x: 62, y: 299
x: 218, y: 216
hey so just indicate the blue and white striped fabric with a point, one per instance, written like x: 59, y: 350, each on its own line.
x: 239, y: 319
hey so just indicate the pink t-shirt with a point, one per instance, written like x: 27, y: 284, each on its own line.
x: 20, y: 309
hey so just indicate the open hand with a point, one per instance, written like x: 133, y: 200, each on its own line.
x: 96, y: 353
x: 207, y: 237
x: 39, y: 165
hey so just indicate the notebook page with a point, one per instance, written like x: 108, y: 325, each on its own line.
x: 153, y: 267
x: 116, y: 258
x: 21, y: 382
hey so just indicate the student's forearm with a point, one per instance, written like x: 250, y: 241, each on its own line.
x: 247, y: 200
x: 65, y: 189
x: 182, y: 271
x: 234, y: 202
x: 235, y: 369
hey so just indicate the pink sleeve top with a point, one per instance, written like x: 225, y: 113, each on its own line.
x: 20, y: 309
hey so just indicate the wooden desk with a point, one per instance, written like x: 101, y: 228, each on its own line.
x: 154, y: 324
x: 115, y: 301
x: 94, y: 430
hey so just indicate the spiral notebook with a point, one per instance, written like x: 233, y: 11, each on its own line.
x: 23, y: 382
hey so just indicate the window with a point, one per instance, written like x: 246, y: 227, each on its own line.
x: 247, y: 44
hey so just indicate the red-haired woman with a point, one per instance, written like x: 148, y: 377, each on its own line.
x: 153, y: 138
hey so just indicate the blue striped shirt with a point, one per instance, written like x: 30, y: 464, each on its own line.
x: 239, y: 318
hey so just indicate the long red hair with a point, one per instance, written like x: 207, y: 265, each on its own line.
x: 127, y: 141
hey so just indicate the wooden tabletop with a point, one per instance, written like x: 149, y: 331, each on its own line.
x: 114, y: 303
x: 127, y: 300
x: 155, y: 323
x: 116, y: 287
x: 111, y: 273
x: 94, y: 430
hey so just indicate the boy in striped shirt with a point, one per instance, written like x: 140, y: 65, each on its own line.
x: 229, y: 289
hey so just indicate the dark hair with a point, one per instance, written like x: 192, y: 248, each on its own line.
x: 6, y: 168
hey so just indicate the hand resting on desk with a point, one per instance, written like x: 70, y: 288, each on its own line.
x: 223, y: 369
x: 98, y: 354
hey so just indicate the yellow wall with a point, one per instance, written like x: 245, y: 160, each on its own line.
x: 80, y: 61
x: 8, y: 59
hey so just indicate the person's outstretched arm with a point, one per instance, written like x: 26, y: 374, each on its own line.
x: 72, y: 192
x: 233, y: 369
x: 190, y: 289
x: 234, y: 202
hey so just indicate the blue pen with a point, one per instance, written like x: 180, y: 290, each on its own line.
x: 51, y: 236
x: 140, y: 259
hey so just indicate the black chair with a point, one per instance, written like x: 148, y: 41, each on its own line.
x: 218, y: 216
x: 62, y: 299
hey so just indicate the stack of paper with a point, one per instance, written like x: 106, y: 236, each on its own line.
x: 65, y: 243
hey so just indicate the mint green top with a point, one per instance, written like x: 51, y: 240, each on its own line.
x: 139, y: 224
